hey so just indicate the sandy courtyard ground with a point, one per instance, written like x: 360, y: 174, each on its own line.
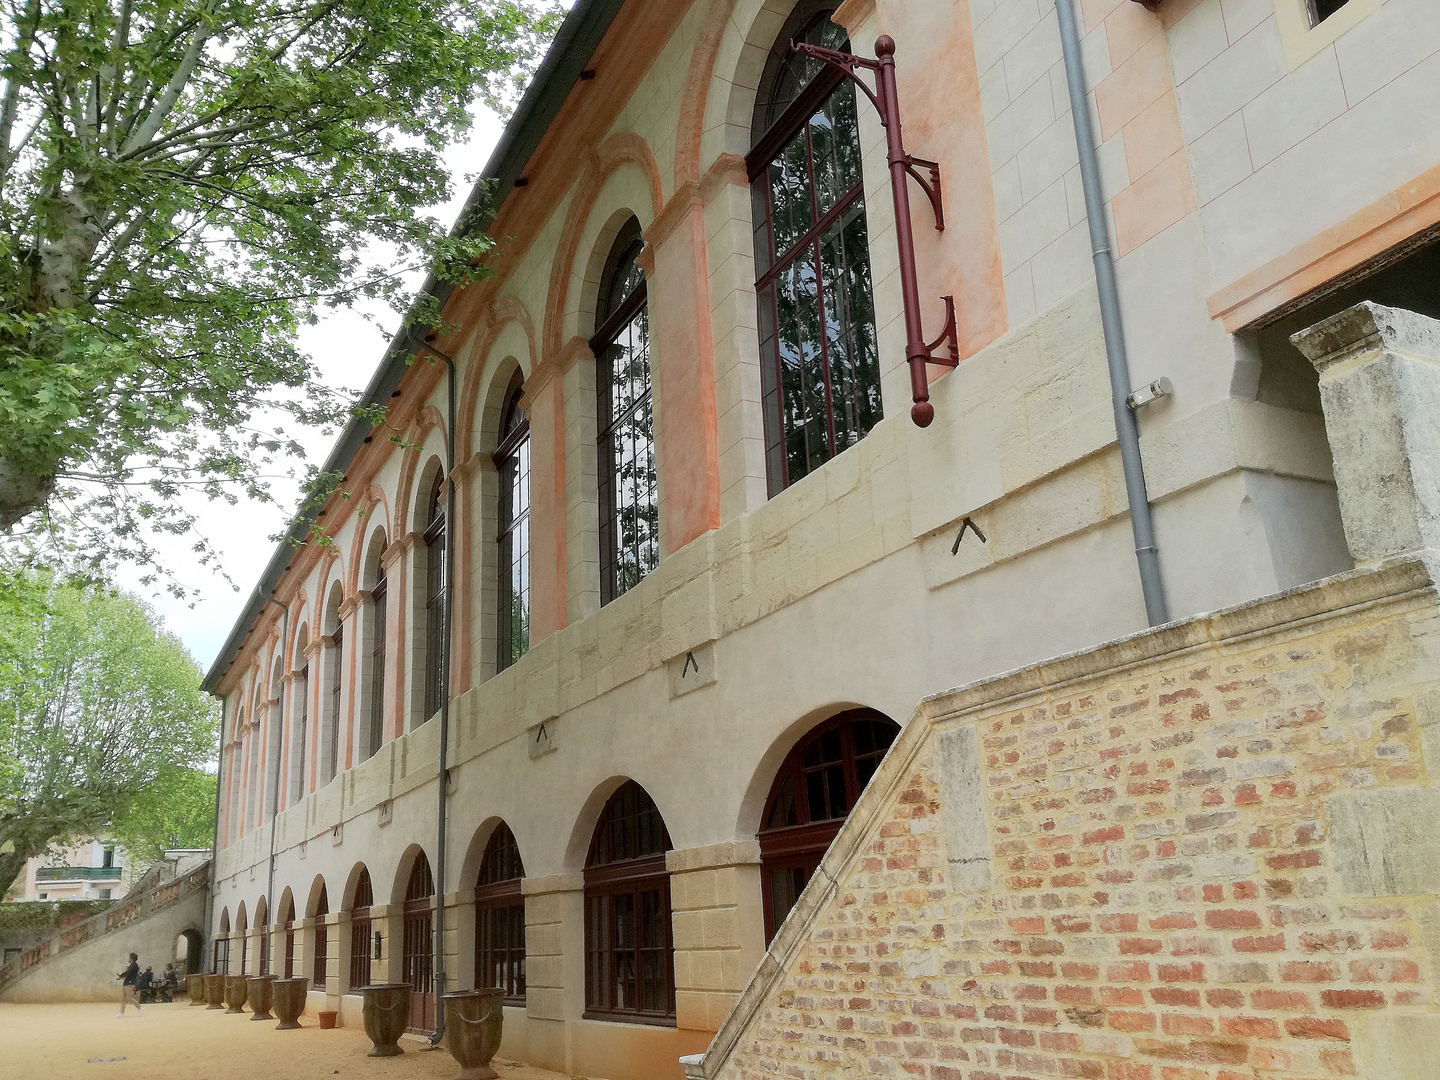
x: 177, y: 1042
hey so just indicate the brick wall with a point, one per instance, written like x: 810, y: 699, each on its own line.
x: 1167, y: 898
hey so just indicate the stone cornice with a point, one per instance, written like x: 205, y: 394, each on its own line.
x: 686, y: 198
x: 852, y: 14
x: 728, y: 170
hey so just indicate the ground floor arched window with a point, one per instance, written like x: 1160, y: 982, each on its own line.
x: 360, y: 931
x: 321, y: 959
x: 418, y: 955
x: 500, y: 918
x: 287, y: 919
x: 814, y: 790
x: 629, y: 951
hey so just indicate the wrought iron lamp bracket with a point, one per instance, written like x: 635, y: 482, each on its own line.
x: 885, y: 98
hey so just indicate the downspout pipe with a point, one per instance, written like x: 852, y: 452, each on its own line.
x: 275, y: 769
x: 215, y: 851
x: 1127, y: 429
x: 442, y: 808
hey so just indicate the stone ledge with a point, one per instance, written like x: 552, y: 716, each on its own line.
x: 713, y: 856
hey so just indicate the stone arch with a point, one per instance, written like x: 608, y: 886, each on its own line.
x: 369, y: 563
x: 312, y: 899
x: 509, y: 333
x: 475, y: 852
x: 724, y: 76
x: 588, y: 816
x: 618, y: 150
x: 262, y: 912
x: 407, y: 862
x: 757, y: 790
x: 372, y: 513
x: 424, y: 451
x: 352, y: 879
x: 286, y: 911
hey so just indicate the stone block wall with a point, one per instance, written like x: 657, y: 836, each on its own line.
x: 1201, y: 853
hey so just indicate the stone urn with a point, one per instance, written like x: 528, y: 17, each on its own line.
x: 195, y: 988
x: 236, y: 990
x: 387, y: 1011
x: 288, y: 1001
x: 261, y: 996
x: 214, y: 991
x: 473, y: 1019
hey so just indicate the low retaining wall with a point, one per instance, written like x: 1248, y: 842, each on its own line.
x: 1206, y: 852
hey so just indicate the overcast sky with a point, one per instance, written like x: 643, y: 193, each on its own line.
x: 347, y: 350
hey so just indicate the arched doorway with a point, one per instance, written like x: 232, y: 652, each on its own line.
x: 500, y: 917
x: 287, y: 919
x: 629, y: 950
x: 418, y: 956
x: 190, y: 952
x: 220, y: 950
x: 814, y: 790
x: 360, y: 905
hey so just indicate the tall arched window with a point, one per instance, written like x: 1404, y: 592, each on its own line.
x: 813, y: 793
x: 418, y: 956
x: 299, y: 729
x: 360, y: 931
x: 512, y: 462
x: 331, y: 749
x: 320, y: 961
x: 220, y: 950
x: 629, y: 511
x: 376, y: 719
x: 500, y: 918
x: 435, y: 600
x: 820, y: 370
x: 287, y: 920
x: 629, y: 952
x: 244, y: 932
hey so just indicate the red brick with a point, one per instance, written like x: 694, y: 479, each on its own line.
x: 1290, y: 1000
x: 1119, y: 924
x: 1396, y: 970
x: 1070, y: 924
x: 1273, y: 943
x: 1032, y: 924
x: 1174, y: 995
x: 1312, y: 971
x: 1194, y: 972
x: 1353, y: 999
x: 1107, y: 835
x: 1119, y: 1070
x: 1180, y: 1024
x: 1312, y: 1027
x: 1176, y: 921
x: 1139, y: 946
x: 1132, y: 1021
x: 1074, y: 995
x: 1128, y: 971
x: 1249, y: 1027
x: 1296, y: 860
x: 1219, y: 1053
x: 1220, y: 998
x: 1121, y: 995
x: 1074, y: 970
x: 1232, y: 919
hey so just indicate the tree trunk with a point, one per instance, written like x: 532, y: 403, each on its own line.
x: 22, y: 491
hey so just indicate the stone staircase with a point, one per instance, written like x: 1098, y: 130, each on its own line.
x: 78, y: 964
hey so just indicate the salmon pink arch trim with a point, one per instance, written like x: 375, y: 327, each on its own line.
x: 621, y: 148
x: 374, y: 496
x: 691, y: 126
x: 499, y: 315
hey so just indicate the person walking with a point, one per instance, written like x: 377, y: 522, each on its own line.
x: 128, y: 994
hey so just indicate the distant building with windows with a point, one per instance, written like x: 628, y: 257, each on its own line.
x: 92, y: 870
x: 665, y: 492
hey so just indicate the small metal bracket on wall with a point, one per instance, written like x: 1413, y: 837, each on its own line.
x: 886, y: 99
x: 967, y: 523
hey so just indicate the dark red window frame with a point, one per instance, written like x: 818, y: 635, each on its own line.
x: 360, y: 932
x: 435, y: 556
x: 500, y: 918
x: 512, y: 463
x: 321, y: 958
x: 377, y: 665
x: 825, y: 771
x: 418, y: 953
x: 626, y: 952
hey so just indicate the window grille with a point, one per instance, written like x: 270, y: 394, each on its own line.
x: 512, y: 461
x: 500, y: 918
x: 418, y: 952
x: 360, y: 932
x: 377, y: 666
x: 322, y: 942
x: 435, y: 602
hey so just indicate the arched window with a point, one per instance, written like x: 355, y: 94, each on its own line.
x: 820, y: 370
x: 418, y: 957
x: 299, y: 729
x: 287, y: 919
x: 331, y: 749
x: 629, y: 511
x: 243, y: 931
x: 500, y: 918
x: 629, y: 952
x: 274, y: 741
x: 435, y: 600
x: 813, y: 793
x: 360, y: 932
x: 377, y: 664
x: 220, y: 951
x: 320, y: 961
x: 512, y: 462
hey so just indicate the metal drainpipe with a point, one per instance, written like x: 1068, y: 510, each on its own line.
x: 1126, y: 428
x: 441, y: 822
x: 215, y: 854
x: 275, y: 787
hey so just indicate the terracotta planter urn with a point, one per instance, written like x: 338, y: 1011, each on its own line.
x: 214, y: 991
x: 288, y: 1001
x: 195, y: 988
x: 387, y: 1010
x: 236, y: 991
x: 260, y: 996
x: 473, y: 1019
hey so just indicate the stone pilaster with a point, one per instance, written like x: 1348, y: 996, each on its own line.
x: 554, y: 962
x: 386, y: 919
x: 719, y: 922
x: 1380, y: 389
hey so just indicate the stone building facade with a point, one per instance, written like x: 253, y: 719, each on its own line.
x: 698, y: 563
